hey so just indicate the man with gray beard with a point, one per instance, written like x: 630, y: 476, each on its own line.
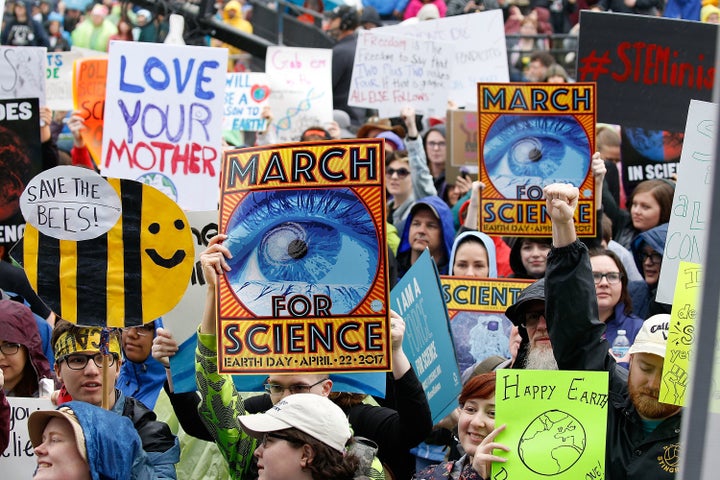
x: 528, y: 314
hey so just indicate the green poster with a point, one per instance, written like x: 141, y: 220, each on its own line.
x: 680, y: 334
x: 556, y: 423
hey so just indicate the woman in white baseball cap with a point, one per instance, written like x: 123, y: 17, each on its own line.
x: 302, y: 437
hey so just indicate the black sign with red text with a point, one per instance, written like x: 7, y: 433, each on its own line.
x: 647, y: 69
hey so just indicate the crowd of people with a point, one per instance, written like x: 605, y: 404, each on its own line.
x: 107, y: 384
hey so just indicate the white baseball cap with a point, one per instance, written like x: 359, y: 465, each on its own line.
x: 313, y: 414
x: 652, y: 337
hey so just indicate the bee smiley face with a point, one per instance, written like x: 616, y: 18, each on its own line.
x: 177, y: 257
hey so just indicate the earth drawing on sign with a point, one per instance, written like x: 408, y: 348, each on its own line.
x: 552, y: 443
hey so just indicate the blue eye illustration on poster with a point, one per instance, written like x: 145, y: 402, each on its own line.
x: 522, y: 150
x: 302, y: 242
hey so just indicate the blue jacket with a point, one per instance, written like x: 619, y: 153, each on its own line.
x: 142, y: 381
x: 448, y: 233
x: 113, y: 446
x: 386, y: 7
x: 160, y: 445
x: 685, y: 9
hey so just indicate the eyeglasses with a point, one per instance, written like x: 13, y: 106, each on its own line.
x: 611, y: 277
x: 141, y: 331
x: 436, y: 144
x: 277, y: 436
x: 78, y: 361
x: 654, y: 257
x: 9, y: 348
x: 401, y: 172
x: 275, y: 389
x: 532, y: 319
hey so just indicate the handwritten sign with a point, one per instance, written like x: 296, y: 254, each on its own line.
x: 307, y: 287
x: 556, y: 424
x: 89, y: 87
x: 18, y: 460
x: 22, y: 72
x: 532, y: 135
x: 476, y: 307
x: 245, y: 96
x: 691, y: 204
x: 70, y: 203
x: 301, y: 86
x: 163, y: 119
x: 391, y: 71
x: 59, y: 80
x: 428, y: 343
x: 479, y: 50
x: 681, y: 334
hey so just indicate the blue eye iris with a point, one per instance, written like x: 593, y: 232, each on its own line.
x: 525, y: 150
x: 302, y: 242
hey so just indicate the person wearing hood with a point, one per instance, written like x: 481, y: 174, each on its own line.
x: 25, y: 368
x: 23, y: 31
x: 95, y: 31
x: 648, y: 250
x: 141, y: 376
x: 233, y: 16
x: 429, y: 225
x: 82, y: 441
x: 146, y: 29
x: 473, y: 255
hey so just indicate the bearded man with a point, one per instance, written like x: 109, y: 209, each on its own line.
x: 643, y: 434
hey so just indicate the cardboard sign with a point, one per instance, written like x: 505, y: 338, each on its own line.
x: 462, y: 142
x: 691, y: 204
x: 130, y: 275
x: 479, y: 51
x: 476, y: 307
x: 301, y: 86
x: 428, y: 344
x: 556, y: 424
x: 18, y: 460
x: 245, y: 96
x: 532, y: 135
x: 647, y: 68
x: 59, y: 80
x: 22, y: 72
x: 308, y: 282
x: 391, y: 71
x: 163, y: 119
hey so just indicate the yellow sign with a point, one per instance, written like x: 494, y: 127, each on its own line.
x: 676, y: 366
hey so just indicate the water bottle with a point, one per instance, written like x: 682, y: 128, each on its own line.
x: 621, y: 345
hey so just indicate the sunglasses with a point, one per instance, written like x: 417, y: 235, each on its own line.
x: 401, y: 172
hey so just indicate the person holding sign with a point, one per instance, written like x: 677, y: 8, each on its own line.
x: 642, y: 433
x: 80, y: 441
x: 476, y: 431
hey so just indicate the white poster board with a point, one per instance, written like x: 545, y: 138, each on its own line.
x: 58, y: 80
x: 301, y: 86
x: 163, y: 119
x: 18, y: 460
x: 392, y: 71
x: 22, y: 72
x: 246, y: 94
x: 691, y: 203
x: 480, y: 50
